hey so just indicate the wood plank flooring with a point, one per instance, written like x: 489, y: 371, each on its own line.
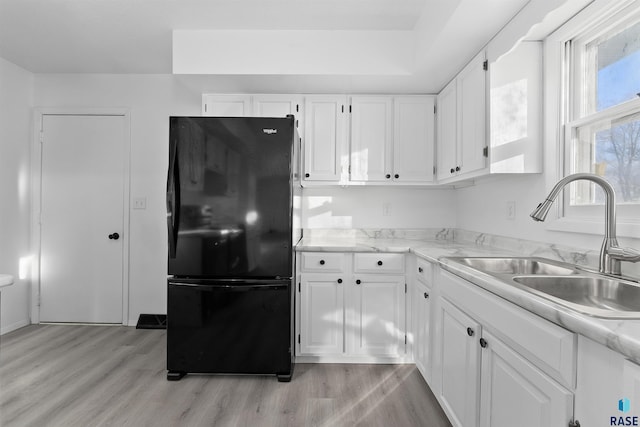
x: 67, y: 376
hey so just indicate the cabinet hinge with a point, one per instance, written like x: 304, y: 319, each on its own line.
x: 297, y: 108
x: 299, y: 287
x: 297, y: 124
x: 349, y: 169
x: 435, y: 109
x: 434, y: 170
x: 349, y: 108
x: 205, y: 108
x: 405, y: 339
x: 485, y: 151
x: 405, y: 288
x: 485, y: 65
x: 41, y: 137
x: 574, y: 423
x: 298, y: 338
x: 343, y: 108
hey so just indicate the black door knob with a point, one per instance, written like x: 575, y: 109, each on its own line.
x: 457, y: 168
x: 358, y: 282
x: 388, y: 176
x: 397, y: 176
x: 114, y: 236
x: 426, y: 295
x: 339, y: 280
x: 452, y: 170
x: 306, y: 175
x: 321, y: 262
x: 483, y: 343
x: 379, y: 262
x: 470, y: 332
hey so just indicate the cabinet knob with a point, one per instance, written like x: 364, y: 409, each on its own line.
x: 306, y: 175
x: 426, y: 295
x: 339, y: 280
x: 470, y: 332
x: 388, y: 176
x: 420, y: 270
x: 321, y: 262
x: 358, y: 282
x: 457, y: 168
x: 396, y: 176
x: 379, y: 262
x: 452, y: 170
x: 483, y: 343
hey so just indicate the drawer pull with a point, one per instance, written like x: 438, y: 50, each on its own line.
x: 420, y: 269
x: 483, y: 343
x: 321, y: 262
x: 470, y: 332
x: 426, y: 295
x: 379, y: 262
x: 339, y: 280
x: 358, y: 282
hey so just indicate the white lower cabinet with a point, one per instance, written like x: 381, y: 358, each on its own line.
x: 513, y: 391
x: 460, y: 365
x: 422, y: 329
x: 377, y: 315
x: 345, y: 315
x: 495, y: 364
x: 322, y: 325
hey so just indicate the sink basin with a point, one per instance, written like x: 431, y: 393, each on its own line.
x: 6, y: 279
x: 592, y: 295
x: 513, y: 266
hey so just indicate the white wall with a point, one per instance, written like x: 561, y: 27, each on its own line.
x: 16, y: 96
x: 364, y: 207
x: 151, y: 99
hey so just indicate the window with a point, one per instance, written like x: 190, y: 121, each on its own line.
x: 602, y: 134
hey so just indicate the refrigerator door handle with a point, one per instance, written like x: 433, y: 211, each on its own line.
x: 173, y: 200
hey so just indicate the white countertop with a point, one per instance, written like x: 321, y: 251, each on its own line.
x: 620, y: 335
x: 5, y: 280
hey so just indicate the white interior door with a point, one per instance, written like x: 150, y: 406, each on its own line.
x: 82, y: 209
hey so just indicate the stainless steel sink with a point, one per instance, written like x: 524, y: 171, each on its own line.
x: 592, y: 295
x: 579, y: 289
x: 493, y: 265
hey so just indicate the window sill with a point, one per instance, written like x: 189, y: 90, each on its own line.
x: 624, y: 229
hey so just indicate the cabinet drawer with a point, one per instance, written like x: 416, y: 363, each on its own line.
x: 328, y: 262
x: 548, y: 346
x: 424, y: 269
x: 378, y: 263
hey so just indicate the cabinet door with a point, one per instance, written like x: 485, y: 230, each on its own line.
x: 472, y: 109
x: 371, y: 138
x: 460, y: 360
x: 322, y: 314
x: 447, y: 132
x: 324, y: 137
x: 413, y: 139
x: 226, y: 105
x: 507, y: 378
x: 377, y: 315
x: 278, y: 106
x: 422, y: 346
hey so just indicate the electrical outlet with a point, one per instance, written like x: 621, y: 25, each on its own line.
x: 140, y: 203
x: 386, y: 209
x: 511, y: 210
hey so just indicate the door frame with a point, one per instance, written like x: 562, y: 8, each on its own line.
x: 36, y: 198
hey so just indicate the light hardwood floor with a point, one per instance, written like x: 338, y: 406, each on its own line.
x: 67, y: 376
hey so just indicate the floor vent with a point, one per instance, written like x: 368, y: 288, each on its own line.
x: 152, y: 321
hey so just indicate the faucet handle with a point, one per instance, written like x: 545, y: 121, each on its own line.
x: 624, y: 254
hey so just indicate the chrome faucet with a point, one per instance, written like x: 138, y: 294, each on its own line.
x: 610, y: 253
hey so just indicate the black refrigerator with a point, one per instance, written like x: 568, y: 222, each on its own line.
x: 232, y: 220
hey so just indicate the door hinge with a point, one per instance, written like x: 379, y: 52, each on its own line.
x: 485, y: 151
x: 574, y: 423
x: 485, y: 65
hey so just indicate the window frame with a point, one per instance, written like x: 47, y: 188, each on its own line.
x: 565, y: 72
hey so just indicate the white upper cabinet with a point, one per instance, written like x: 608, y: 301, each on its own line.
x: 279, y: 106
x: 462, y: 123
x: 220, y: 105
x: 324, y: 138
x: 413, y: 139
x: 489, y: 116
x: 392, y: 139
x: 371, y: 138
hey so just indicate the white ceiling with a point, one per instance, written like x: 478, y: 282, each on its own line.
x: 135, y: 36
